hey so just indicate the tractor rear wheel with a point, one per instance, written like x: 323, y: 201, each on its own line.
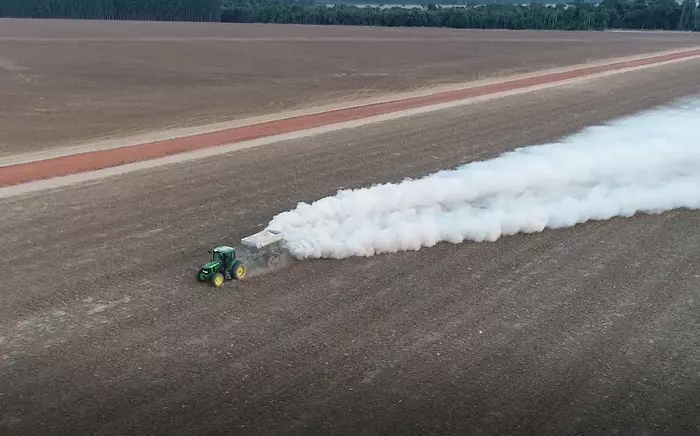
x: 240, y: 271
x: 217, y: 280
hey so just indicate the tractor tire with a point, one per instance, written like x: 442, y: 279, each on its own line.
x: 218, y: 280
x: 239, y: 271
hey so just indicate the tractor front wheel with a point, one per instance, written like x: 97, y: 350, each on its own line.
x: 240, y: 271
x: 217, y: 280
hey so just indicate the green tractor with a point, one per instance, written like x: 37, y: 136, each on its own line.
x: 229, y: 263
x: 223, y: 266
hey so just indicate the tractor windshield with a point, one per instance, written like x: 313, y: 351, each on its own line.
x: 216, y: 256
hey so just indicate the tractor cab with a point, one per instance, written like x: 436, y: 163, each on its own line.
x: 224, y: 255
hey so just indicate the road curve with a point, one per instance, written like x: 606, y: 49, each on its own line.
x: 95, y: 160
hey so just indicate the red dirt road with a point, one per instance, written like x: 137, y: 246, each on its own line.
x: 89, y: 161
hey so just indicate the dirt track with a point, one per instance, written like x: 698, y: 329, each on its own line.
x: 577, y: 331
x: 61, y: 82
x: 107, y: 158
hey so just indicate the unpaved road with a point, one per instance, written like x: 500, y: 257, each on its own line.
x: 63, y: 82
x: 71, y: 162
x: 591, y: 330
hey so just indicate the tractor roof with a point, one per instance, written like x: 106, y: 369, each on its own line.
x: 224, y: 249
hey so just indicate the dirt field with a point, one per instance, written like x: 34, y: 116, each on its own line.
x: 589, y: 330
x: 62, y: 82
x: 75, y: 161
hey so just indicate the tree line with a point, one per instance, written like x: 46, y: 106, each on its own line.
x: 608, y: 14
x: 580, y: 15
x: 152, y: 10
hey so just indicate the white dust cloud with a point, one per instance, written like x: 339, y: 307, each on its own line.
x: 647, y: 163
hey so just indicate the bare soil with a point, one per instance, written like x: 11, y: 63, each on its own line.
x: 71, y: 162
x: 62, y: 82
x: 586, y: 330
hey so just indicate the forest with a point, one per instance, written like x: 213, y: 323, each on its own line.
x: 580, y: 15
x: 608, y: 14
x: 151, y: 10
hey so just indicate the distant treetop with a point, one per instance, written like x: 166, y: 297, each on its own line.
x: 681, y: 15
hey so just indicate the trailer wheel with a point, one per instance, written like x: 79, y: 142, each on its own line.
x: 274, y: 261
x: 240, y: 271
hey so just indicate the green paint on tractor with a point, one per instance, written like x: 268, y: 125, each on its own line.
x: 223, y: 265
